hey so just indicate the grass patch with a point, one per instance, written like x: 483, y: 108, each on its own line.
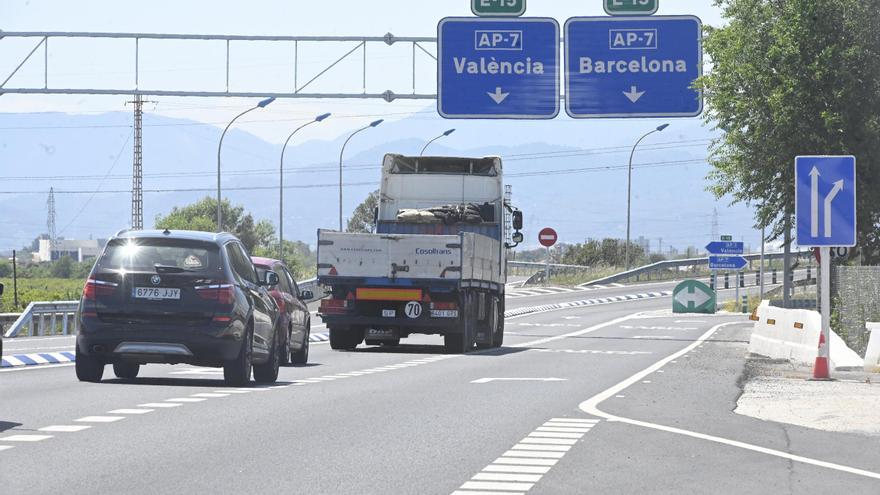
x: 39, y: 289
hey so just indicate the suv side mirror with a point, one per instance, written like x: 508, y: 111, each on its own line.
x: 517, y: 220
x: 306, y: 295
x: 271, y: 279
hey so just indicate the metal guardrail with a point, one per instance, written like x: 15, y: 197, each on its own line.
x: 55, y: 312
x: 691, y: 262
x: 553, y: 266
x: 43, y: 318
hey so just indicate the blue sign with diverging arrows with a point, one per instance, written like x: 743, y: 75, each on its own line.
x: 725, y: 247
x: 633, y: 66
x: 825, y: 201
x: 490, y: 68
x: 720, y: 262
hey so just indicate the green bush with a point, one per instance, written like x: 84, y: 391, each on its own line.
x: 39, y: 289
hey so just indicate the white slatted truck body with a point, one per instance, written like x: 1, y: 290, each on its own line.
x: 413, y: 277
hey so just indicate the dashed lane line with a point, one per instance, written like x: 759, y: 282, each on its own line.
x: 65, y: 428
x: 160, y: 405
x: 99, y: 419
x: 25, y: 438
x: 130, y: 411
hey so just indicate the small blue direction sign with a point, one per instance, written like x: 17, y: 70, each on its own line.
x: 720, y: 262
x: 492, y: 68
x: 825, y: 201
x: 633, y: 66
x: 725, y: 247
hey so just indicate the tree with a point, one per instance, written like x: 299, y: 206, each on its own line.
x: 609, y: 252
x: 364, y: 219
x: 298, y: 256
x: 202, y: 216
x: 794, y: 77
x: 63, y: 267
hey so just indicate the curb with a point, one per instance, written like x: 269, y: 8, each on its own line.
x: 586, y: 302
x: 17, y: 360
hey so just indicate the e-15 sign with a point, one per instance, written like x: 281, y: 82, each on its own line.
x: 511, y: 8
x: 631, y: 7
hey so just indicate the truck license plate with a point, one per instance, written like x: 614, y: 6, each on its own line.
x: 389, y: 313
x: 444, y: 313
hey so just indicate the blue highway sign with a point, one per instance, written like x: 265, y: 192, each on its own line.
x: 633, y: 66
x: 717, y: 262
x: 723, y: 247
x: 825, y: 201
x: 491, y: 68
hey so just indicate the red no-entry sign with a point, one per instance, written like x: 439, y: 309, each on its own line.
x: 547, y: 237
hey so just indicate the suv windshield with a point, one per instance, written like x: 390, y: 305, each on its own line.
x: 166, y: 254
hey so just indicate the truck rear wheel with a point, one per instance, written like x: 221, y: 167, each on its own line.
x: 345, y: 338
x: 498, y: 336
x: 461, y: 343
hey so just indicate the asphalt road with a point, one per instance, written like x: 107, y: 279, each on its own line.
x: 565, y: 407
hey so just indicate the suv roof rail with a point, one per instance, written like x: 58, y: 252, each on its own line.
x: 121, y: 231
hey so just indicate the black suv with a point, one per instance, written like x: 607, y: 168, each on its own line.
x: 177, y: 297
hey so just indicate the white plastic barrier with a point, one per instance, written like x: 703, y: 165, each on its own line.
x: 872, y: 355
x: 793, y: 334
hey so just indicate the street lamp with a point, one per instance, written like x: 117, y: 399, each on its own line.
x: 341, y: 152
x: 450, y: 131
x: 319, y: 118
x: 629, y: 190
x: 261, y: 104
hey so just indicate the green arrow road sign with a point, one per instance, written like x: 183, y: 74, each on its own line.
x: 693, y: 297
x: 631, y: 7
x: 508, y: 8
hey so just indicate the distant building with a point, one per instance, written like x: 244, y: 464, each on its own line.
x: 79, y: 250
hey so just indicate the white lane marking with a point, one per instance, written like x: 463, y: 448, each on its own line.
x: 65, y: 428
x: 541, y: 434
x: 487, y: 380
x: 25, y: 438
x: 548, y: 441
x: 562, y: 429
x: 525, y: 462
x: 496, y: 485
x: 229, y: 391
x: 593, y: 351
x: 99, y: 419
x: 208, y: 395
x: 527, y: 453
x: 575, y: 420
x: 590, y: 406
x: 130, y: 411
x: 544, y: 447
x: 560, y: 424
x: 185, y: 399
x: 253, y: 389
x: 507, y: 477
x: 160, y: 405
x: 576, y: 333
x: 5, y: 447
x: 501, y: 468
x: 473, y: 492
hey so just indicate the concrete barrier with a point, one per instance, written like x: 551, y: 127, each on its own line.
x: 872, y: 355
x: 793, y: 334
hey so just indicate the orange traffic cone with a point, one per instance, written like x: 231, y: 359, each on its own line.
x: 820, y: 367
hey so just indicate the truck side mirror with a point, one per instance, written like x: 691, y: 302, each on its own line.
x: 517, y: 237
x: 517, y: 220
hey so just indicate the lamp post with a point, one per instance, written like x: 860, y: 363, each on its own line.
x: 629, y: 191
x: 450, y: 131
x: 261, y: 104
x: 319, y: 118
x: 341, y: 152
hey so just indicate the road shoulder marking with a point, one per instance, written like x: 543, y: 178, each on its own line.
x: 590, y: 406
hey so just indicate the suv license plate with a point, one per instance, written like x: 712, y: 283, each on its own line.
x: 155, y: 293
x: 389, y: 313
x: 444, y: 313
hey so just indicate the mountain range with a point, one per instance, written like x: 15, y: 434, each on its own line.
x: 567, y: 174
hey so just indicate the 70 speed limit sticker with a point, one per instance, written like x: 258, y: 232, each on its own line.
x: 413, y: 309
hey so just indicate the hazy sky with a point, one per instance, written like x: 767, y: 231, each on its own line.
x: 259, y: 66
